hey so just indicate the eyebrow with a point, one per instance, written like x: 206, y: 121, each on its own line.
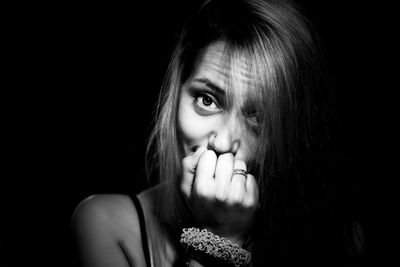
x: 210, y: 85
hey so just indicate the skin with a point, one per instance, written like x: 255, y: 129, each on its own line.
x: 215, y: 140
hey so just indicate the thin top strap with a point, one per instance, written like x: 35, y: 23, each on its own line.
x: 143, y: 232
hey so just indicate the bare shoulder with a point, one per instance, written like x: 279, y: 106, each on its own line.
x: 106, y: 231
x: 111, y: 210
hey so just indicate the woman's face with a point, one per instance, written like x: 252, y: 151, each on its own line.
x: 211, y: 106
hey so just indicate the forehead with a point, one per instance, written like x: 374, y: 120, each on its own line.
x: 226, y: 69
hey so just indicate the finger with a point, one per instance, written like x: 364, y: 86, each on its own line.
x: 238, y: 183
x: 204, y: 182
x: 251, y: 196
x: 223, y: 174
x: 189, y: 165
x: 190, y: 162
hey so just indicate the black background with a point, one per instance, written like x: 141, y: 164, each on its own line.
x: 81, y: 83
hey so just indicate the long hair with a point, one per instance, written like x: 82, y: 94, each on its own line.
x: 291, y: 159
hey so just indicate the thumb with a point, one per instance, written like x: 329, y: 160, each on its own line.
x: 189, y: 165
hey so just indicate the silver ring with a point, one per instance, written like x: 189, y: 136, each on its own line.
x: 240, y: 171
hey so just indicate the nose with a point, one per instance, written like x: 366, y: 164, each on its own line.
x: 226, y: 136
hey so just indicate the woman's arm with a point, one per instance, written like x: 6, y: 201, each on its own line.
x: 99, y: 225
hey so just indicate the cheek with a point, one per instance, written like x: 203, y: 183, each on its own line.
x: 193, y: 128
x: 247, y: 148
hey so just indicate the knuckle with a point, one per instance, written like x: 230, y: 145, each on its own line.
x: 236, y: 200
x: 221, y: 197
x: 202, y: 192
x: 250, y: 204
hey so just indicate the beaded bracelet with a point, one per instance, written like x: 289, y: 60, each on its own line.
x: 203, y: 241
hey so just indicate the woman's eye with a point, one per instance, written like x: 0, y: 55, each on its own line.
x: 207, y: 102
x: 253, y: 122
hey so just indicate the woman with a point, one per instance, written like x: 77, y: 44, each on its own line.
x: 242, y: 152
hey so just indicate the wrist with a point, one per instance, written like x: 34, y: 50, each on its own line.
x: 235, y: 239
x: 209, y: 249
